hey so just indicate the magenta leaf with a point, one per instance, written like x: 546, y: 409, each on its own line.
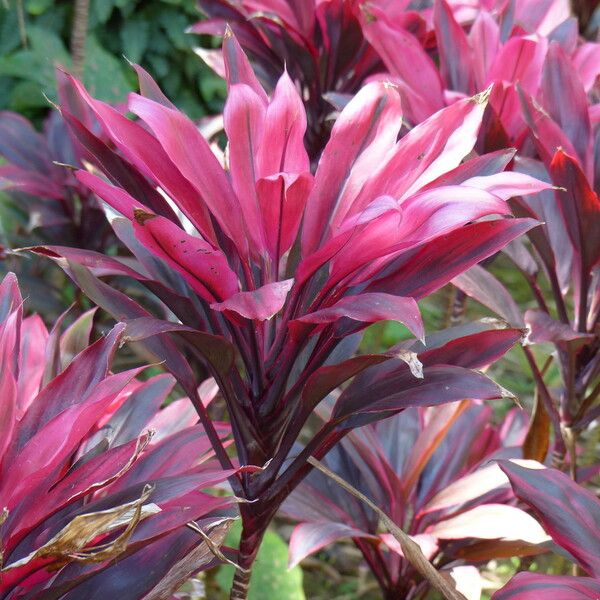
x: 482, y: 286
x: 447, y: 256
x: 171, y: 128
x: 543, y: 328
x: 204, y: 267
x: 412, y: 65
x: 308, y: 538
x: 568, y: 512
x: 561, y: 87
x: 370, y: 308
x: 531, y: 586
x: 453, y: 47
x: 580, y: 207
x: 367, y: 126
x: 491, y: 521
x: 440, y: 384
x: 261, y: 304
x: 81, y: 436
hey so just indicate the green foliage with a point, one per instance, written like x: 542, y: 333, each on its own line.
x: 270, y: 576
x: 151, y: 33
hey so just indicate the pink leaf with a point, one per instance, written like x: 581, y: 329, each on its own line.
x: 308, y: 538
x: 520, y: 60
x: 485, y: 37
x: 405, y: 58
x: 146, y: 153
x: 186, y: 147
x: 370, y: 308
x: 473, y: 486
x: 429, y: 150
x: 244, y: 119
x: 533, y: 586
x: 491, y: 522
x: 568, y: 512
x: 543, y: 328
x: 282, y: 200
x: 508, y: 184
x: 261, y: 304
x: 455, y: 53
x: 203, y: 267
x: 370, y: 121
x: 284, y: 129
x: 566, y: 102
x: 435, y: 263
x: 237, y: 66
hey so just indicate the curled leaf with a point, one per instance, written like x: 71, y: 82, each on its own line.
x: 71, y: 542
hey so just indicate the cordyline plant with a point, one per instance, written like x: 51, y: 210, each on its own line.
x: 37, y: 178
x: 89, y: 499
x: 319, y: 43
x: 472, y: 48
x: 561, y: 266
x: 429, y: 470
x: 571, y: 515
x: 272, y: 271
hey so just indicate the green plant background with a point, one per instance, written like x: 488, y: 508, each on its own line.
x: 148, y: 32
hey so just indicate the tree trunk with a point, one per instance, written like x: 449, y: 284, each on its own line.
x: 78, y: 35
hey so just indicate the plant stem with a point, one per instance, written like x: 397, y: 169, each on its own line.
x: 249, y: 544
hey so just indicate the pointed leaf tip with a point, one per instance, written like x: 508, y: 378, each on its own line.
x: 483, y: 97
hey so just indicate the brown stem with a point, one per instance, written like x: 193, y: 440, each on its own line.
x: 455, y: 310
x: 248, y: 549
x: 79, y: 34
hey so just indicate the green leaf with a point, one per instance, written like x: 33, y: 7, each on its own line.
x: 6, y: 84
x: 104, y: 75
x: 126, y: 7
x: 134, y: 38
x: 159, y: 64
x: 102, y: 10
x: 27, y: 94
x: 212, y: 87
x: 48, y: 46
x: 37, y: 63
x: 20, y: 63
x: 53, y: 20
x: 9, y: 31
x: 37, y: 7
x: 270, y: 576
x: 175, y: 24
